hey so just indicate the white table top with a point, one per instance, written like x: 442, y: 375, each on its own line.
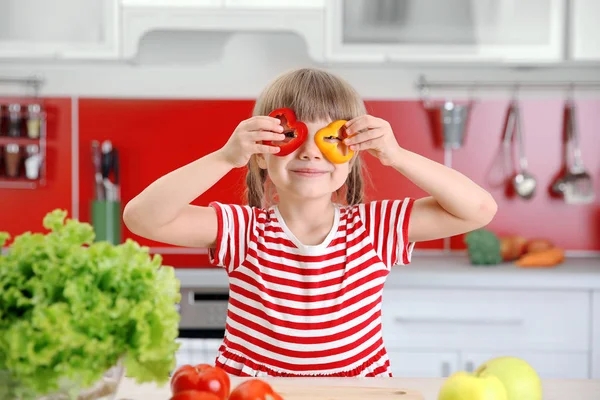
x: 554, y: 389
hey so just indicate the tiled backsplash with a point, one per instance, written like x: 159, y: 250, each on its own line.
x: 145, y: 130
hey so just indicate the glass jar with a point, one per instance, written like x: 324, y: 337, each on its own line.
x: 12, y: 160
x: 33, y: 161
x: 34, y: 120
x: 15, y: 120
x: 2, y: 121
x: 105, y: 388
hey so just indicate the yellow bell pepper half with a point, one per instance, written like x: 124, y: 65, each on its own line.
x: 330, y: 141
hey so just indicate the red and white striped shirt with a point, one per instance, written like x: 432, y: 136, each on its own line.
x: 298, y: 310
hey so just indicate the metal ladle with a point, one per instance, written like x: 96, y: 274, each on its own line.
x: 524, y: 183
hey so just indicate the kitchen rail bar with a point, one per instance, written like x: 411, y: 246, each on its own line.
x: 423, y: 85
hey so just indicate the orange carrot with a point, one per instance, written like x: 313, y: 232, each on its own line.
x: 543, y: 258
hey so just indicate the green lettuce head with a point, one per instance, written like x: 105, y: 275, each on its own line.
x: 71, y: 308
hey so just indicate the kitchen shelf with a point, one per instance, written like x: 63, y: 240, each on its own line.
x: 21, y: 141
x: 22, y: 182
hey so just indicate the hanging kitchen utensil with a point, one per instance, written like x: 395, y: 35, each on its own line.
x: 507, y: 142
x: 99, y: 193
x: 107, y: 165
x: 524, y: 182
x: 557, y: 189
x: 116, y: 175
x: 578, y: 184
x: 454, y: 122
x: 501, y: 170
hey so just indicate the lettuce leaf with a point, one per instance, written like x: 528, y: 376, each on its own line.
x: 71, y: 308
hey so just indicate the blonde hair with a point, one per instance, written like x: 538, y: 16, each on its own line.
x: 314, y: 95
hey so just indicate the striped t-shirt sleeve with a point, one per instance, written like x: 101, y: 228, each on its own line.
x: 233, y: 233
x: 386, y: 221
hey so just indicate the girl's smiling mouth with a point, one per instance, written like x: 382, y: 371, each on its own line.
x: 309, y: 172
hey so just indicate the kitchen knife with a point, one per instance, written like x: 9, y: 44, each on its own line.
x: 116, y: 173
x: 99, y: 193
x: 107, y: 164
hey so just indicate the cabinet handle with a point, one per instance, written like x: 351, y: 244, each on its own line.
x: 445, y: 369
x: 461, y: 321
x: 470, y: 367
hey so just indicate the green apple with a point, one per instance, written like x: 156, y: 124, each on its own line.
x: 518, y: 377
x: 465, y: 386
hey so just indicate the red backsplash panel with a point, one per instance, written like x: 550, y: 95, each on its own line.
x: 155, y: 137
x: 145, y: 130
x: 23, y: 210
x: 412, y: 126
x: 575, y: 227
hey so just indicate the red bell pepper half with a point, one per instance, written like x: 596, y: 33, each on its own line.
x: 295, y: 131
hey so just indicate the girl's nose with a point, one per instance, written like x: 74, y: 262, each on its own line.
x: 309, y: 149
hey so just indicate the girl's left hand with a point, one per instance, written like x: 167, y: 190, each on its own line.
x: 374, y: 135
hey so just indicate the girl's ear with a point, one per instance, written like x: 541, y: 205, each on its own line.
x: 261, y: 161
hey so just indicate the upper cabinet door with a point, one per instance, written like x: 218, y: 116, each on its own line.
x: 276, y: 4
x: 173, y: 3
x: 59, y: 29
x: 584, y: 30
x: 449, y: 30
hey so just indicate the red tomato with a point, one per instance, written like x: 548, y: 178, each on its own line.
x: 254, y: 389
x: 194, y: 395
x: 203, y: 378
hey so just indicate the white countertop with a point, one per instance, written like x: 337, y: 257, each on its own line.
x: 554, y: 389
x: 440, y: 271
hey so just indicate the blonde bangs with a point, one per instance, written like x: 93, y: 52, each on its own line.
x: 313, y: 94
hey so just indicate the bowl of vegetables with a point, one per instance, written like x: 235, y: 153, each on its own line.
x: 77, y: 315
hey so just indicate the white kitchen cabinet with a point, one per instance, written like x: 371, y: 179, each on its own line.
x: 63, y: 29
x: 489, y: 319
x: 423, y: 364
x: 184, y: 354
x: 451, y: 30
x: 595, y: 373
x: 197, y: 351
x: 276, y: 4
x: 584, y: 30
x: 460, y: 328
x: 548, y: 365
x: 440, y: 364
x: 212, y: 349
x: 233, y: 4
x: 140, y: 17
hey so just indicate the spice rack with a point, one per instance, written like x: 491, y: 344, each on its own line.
x: 22, y: 138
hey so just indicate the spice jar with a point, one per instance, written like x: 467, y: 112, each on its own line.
x: 12, y: 160
x: 2, y: 121
x: 33, y: 161
x: 14, y: 120
x: 34, y: 119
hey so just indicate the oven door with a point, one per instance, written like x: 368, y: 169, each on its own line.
x: 203, y: 314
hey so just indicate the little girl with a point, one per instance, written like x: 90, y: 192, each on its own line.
x: 307, y: 258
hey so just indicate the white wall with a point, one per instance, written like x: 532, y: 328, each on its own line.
x: 213, y: 65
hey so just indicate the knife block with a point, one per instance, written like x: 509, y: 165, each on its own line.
x: 106, y: 220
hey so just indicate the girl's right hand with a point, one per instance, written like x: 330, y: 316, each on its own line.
x: 245, y: 140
